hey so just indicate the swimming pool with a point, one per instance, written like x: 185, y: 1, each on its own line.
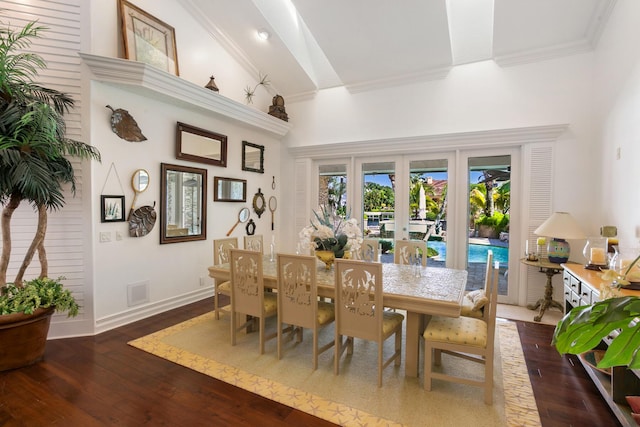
x: 477, y: 253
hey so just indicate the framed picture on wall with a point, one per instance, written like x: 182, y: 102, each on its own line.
x: 147, y: 39
x: 111, y: 208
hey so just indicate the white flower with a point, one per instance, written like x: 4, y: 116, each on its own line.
x: 328, y: 226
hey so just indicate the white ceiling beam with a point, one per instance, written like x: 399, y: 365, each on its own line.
x: 470, y: 30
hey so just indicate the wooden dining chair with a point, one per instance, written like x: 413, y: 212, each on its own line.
x: 248, y: 296
x: 254, y: 243
x: 464, y: 337
x: 369, y: 250
x: 298, y: 304
x: 404, y: 251
x: 221, y: 256
x: 360, y: 313
x: 474, y: 302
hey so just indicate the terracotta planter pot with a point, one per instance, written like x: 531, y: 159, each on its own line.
x: 23, y: 338
x: 487, y: 231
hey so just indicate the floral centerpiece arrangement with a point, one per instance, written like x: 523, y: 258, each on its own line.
x: 330, y: 232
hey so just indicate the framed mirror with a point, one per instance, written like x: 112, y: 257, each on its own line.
x: 229, y: 189
x: 183, y: 210
x: 199, y: 145
x: 252, y: 157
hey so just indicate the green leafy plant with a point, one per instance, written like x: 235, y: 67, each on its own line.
x: 331, y: 232
x: 37, y: 293
x: 584, y: 327
x: 34, y: 151
x: 498, y: 220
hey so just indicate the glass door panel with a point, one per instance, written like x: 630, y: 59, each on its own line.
x: 332, y: 187
x: 488, y: 217
x: 428, y: 184
x: 378, y: 205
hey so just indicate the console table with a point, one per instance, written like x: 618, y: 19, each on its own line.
x: 550, y: 269
x: 582, y: 287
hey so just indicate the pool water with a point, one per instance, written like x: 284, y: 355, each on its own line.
x: 477, y: 253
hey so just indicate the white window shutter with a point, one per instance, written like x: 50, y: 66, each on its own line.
x: 539, y: 160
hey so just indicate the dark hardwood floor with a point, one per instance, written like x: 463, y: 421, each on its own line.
x: 564, y: 393
x: 95, y: 381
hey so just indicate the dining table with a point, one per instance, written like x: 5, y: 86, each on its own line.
x: 419, y: 291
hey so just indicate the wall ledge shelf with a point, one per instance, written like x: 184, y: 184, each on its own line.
x: 154, y: 83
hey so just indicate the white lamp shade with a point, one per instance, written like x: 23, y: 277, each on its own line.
x: 560, y: 225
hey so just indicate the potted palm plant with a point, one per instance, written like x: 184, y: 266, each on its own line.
x: 34, y: 167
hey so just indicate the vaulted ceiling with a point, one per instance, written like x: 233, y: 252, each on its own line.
x: 362, y: 44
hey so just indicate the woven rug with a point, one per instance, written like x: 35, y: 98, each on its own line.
x: 351, y: 398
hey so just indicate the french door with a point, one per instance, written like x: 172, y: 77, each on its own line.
x: 429, y: 196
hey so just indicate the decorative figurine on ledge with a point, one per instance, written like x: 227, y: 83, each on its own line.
x: 277, y: 109
x: 212, y: 85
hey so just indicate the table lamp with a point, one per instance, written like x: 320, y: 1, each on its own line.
x: 558, y: 227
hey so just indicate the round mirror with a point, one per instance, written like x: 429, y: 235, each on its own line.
x: 243, y: 216
x: 139, y: 183
x: 140, y: 180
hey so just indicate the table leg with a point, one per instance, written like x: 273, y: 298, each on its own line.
x: 412, y: 344
x: 547, y: 300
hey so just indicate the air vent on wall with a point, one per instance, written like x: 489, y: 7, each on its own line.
x: 137, y: 293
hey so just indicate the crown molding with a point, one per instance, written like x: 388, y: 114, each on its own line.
x: 596, y: 25
x: 451, y: 141
x: 417, y: 77
x: 544, y: 54
x: 156, y: 84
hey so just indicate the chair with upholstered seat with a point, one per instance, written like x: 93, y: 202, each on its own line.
x: 464, y: 337
x: 404, y: 251
x: 221, y: 256
x: 360, y: 313
x: 254, y: 243
x: 248, y: 296
x: 473, y: 302
x: 298, y: 304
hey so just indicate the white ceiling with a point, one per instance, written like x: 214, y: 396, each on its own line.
x: 365, y: 44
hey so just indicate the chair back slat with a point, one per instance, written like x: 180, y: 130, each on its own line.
x: 369, y: 250
x: 488, y: 285
x: 358, y: 299
x: 297, y: 290
x: 254, y: 243
x: 404, y: 252
x: 492, y: 305
x: 221, y: 249
x: 247, y: 284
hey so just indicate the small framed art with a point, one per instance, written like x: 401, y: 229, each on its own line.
x: 147, y: 39
x: 111, y: 208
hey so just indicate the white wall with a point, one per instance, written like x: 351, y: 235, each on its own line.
x: 173, y: 271
x: 474, y: 97
x: 618, y: 82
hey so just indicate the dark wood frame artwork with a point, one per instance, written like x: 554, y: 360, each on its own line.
x: 217, y: 197
x: 245, y: 167
x: 103, y: 210
x: 129, y: 13
x: 164, y: 238
x: 182, y: 128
